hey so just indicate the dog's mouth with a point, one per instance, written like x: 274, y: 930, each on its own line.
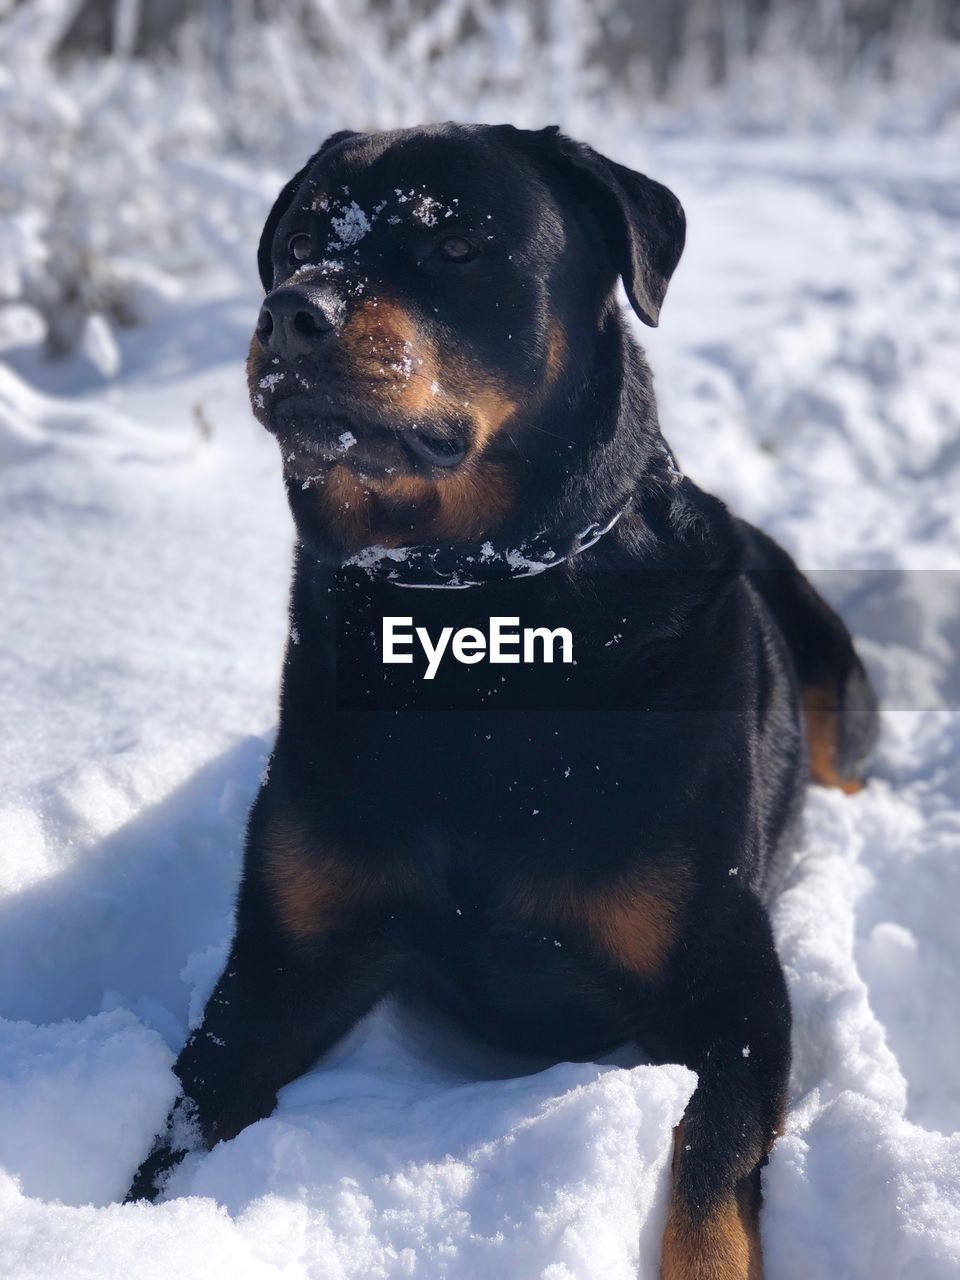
x: 438, y: 451
x: 311, y: 437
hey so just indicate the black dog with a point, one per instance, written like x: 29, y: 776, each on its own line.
x: 459, y: 405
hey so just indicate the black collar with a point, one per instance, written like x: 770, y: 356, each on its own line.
x: 456, y: 568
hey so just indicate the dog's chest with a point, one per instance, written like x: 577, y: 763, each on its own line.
x: 531, y: 899
x: 508, y: 783
x: 540, y: 962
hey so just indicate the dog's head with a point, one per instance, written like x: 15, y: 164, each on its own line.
x: 435, y: 302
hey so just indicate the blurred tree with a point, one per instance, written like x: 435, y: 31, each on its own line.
x: 658, y: 33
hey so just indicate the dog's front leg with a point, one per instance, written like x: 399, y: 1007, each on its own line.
x: 307, y: 962
x: 726, y: 1015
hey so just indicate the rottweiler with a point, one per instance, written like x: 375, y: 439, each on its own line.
x: 559, y: 856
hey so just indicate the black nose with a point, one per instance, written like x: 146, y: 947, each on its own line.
x: 294, y: 321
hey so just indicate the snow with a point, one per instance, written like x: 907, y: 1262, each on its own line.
x: 351, y: 226
x: 806, y: 368
x: 384, y: 1164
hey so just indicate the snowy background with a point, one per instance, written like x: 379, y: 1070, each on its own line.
x: 808, y: 369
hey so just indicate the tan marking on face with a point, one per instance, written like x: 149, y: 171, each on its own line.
x: 556, y: 353
x: 473, y: 501
x: 457, y: 507
x: 397, y: 510
x: 822, y: 726
x: 393, y: 361
x: 346, y: 503
x: 379, y: 322
x: 313, y: 888
x: 386, y: 345
x: 633, y: 922
x: 384, y: 348
x: 490, y: 408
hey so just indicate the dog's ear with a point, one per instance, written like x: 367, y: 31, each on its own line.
x: 642, y: 221
x: 282, y: 203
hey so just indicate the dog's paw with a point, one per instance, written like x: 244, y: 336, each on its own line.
x: 152, y: 1176
x: 180, y: 1135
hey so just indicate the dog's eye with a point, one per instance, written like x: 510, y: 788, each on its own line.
x: 300, y: 247
x: 456, y: 249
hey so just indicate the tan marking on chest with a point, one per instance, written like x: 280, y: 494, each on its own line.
x: 634, y: 921
x: 313, y: 887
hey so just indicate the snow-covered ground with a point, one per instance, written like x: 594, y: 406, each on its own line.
x: 808, y: 368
